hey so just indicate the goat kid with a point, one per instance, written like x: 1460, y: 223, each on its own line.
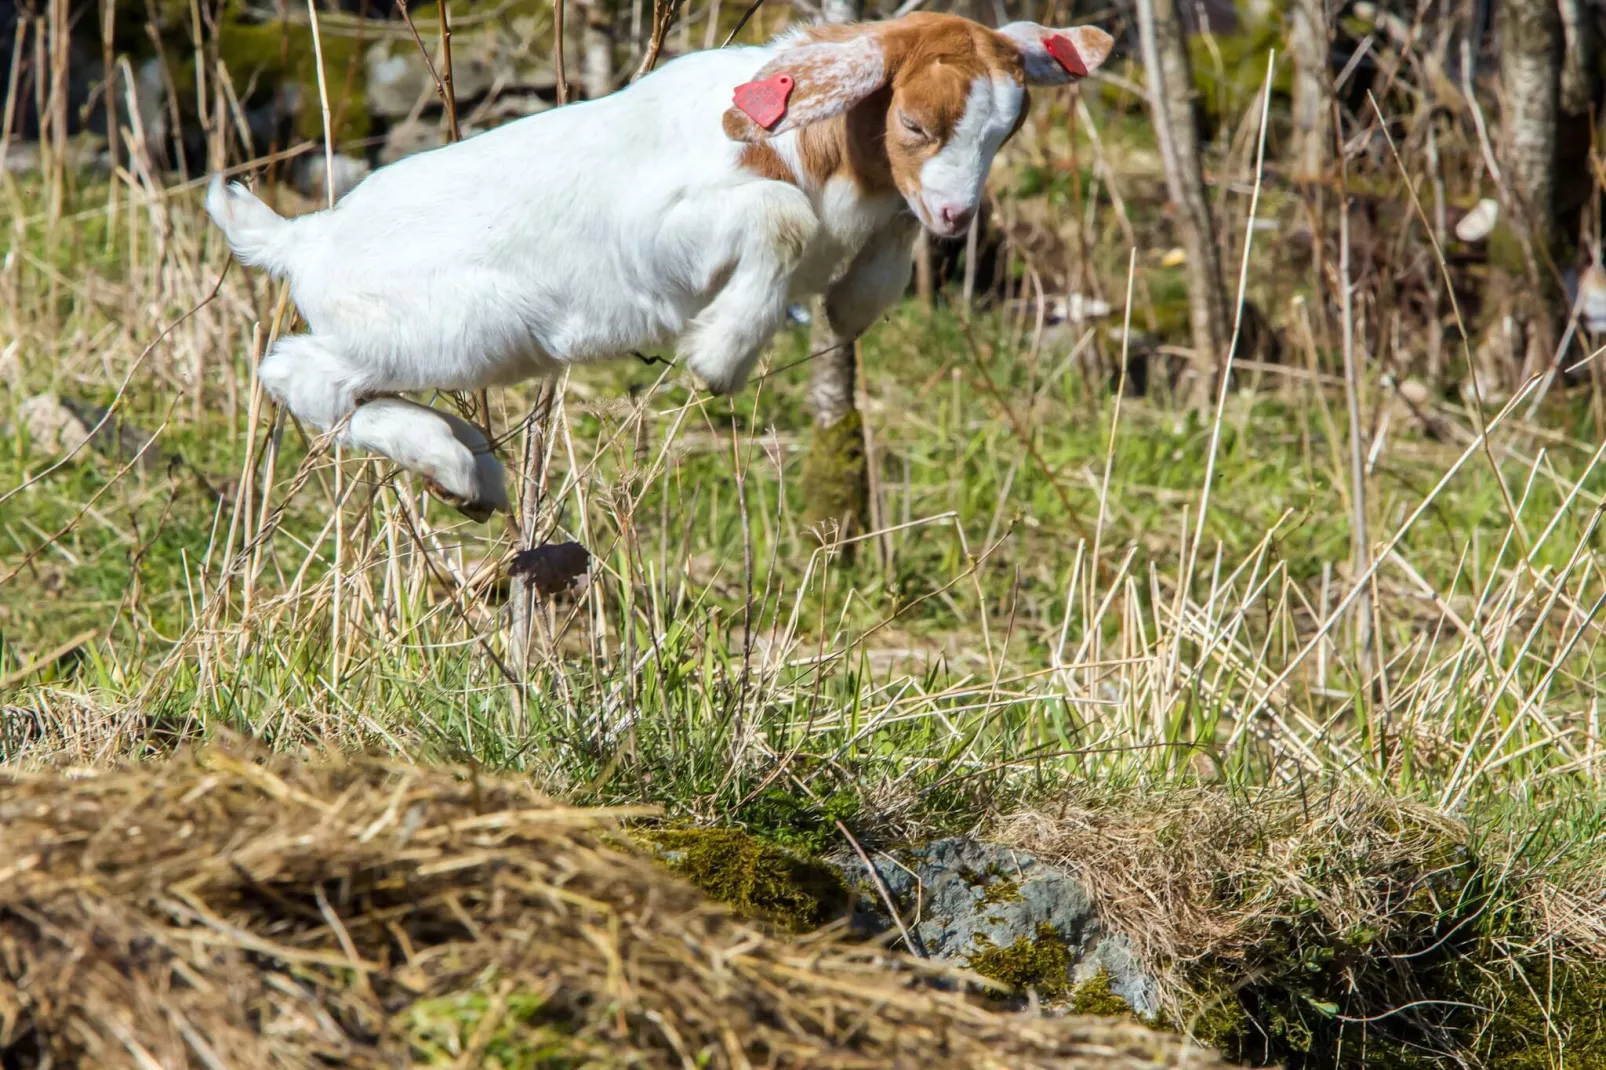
x: 691, y: 207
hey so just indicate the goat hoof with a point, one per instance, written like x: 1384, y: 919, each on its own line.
x: 477, y: 511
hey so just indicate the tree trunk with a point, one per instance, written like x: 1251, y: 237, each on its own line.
x: 596, y: 70
x: 1313, y: 80
x: 839, y: 11
x: 836, y: 485
x: 924, y: 284
x: 1171, y: 100
x: 1579, y: 59
x: 1521, y: 258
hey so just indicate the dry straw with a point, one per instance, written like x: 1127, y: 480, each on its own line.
x: 211, y: 911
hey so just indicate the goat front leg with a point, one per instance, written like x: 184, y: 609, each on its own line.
x: 874, y: 281
x: 766, y: 237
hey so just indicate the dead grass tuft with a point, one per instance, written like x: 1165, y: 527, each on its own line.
x: 1198, y: 874
x: 211, y: 910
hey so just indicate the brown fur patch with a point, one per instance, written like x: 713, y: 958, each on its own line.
x: 761, y: 158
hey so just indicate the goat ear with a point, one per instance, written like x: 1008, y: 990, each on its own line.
x: 1054, y: 57
x: 804, y: 84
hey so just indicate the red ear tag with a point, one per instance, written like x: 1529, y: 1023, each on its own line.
x: 1065, y: 54
x: 765, y: 102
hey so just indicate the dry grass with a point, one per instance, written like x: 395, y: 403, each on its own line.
x: 1060, y: 594
x: 1357, y: 914
x: 210, y: 911
x: 1197, y: 874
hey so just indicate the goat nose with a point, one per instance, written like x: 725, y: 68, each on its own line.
x: 957, y: 216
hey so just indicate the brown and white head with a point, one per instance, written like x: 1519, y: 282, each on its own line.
x: 919, y: 104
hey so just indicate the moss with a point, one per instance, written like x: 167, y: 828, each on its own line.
x: 757, y: 878
x: 1172, y: 311
x: 1228, y: 87
x: 527, y: 1034
x: 1505, y: 251
x: 1521, y: 1032
x: 266, y: 56
x: 1220, y: 1023
x: 1002, y: 891
x: 1042, y: 963
x: 1095, y: 996
x: 275, y: 54
x: 836, y: 484
x: 995, y: 887
x: 805, y: 826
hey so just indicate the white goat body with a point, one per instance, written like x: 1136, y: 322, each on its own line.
x: 591, y: 231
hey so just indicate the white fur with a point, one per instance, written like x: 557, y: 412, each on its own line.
x: 581, y: 233
x: 951, y: 181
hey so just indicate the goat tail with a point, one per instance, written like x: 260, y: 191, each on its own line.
x: 259, y: 236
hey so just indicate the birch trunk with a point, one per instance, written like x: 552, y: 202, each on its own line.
x: 1579, y: 58
x: 1171, y: 102
x: 596, y: 50
x: 836, y: 486
x: 1530, y: 90
x: 1313, y: 80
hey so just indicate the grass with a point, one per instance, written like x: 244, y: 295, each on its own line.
x: 1021, y: 626
x: 974, y: 641
x: 377, y: 914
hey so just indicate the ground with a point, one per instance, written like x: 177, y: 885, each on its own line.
x: 1075, y: 598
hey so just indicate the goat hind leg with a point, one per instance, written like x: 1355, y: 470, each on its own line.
x: 310, y: 377
x: 450, y: 453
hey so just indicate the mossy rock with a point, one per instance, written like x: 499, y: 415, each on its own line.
x: 1002, y: 890
x: 264, y: 57
x: 756, y: 878
x: 1543, y: 1015
x: 280, y: 54
x: 1233, y: 83
x: 835, y: 477
x: 1042, y: 963
x: 1095, y: 996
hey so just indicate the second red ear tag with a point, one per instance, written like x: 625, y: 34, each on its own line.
x: 1065, y: 54
x: 765, y: 102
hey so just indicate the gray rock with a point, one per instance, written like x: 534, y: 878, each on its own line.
x: 406, y: 138
x: 59, y: 425
x: 52, y: 427
x: 397, y: 78
x: 309, y: 175
x: 959, y: 896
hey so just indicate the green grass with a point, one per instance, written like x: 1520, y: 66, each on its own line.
x: 975, y: 655
x: 989, y: 462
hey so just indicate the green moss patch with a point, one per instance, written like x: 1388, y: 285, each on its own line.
x: 513, y: 1032
x: 271, y: 53
x: 993, y: 886
x: 1095, y: 996
x: 804, y: 826
x: 1042, y: 963
x: 757, y: 878
x: 1542, y: 1016
x: 1002, y: 891
x: 835, y: 480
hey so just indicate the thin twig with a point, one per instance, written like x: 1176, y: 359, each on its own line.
x: 448, y: 92
x: 881, y: 889
x: 557, y: 51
